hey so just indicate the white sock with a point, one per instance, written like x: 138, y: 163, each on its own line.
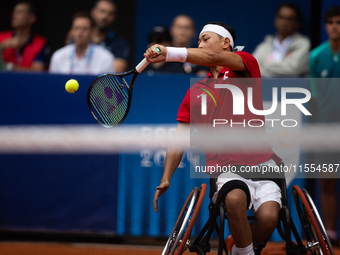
x: 249, y: 250
x: 234, y: 250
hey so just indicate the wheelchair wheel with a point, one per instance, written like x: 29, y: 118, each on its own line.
x: 185, y: 222
x: 316, y: 236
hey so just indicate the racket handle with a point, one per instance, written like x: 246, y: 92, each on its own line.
x: 141, y: 66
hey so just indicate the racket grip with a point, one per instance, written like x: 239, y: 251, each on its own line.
x: 141, y: 66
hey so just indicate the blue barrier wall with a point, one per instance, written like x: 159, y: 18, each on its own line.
x: 53, y: 192
x: 92, y: 193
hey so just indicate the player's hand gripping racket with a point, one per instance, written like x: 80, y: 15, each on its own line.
x: 109, y: 96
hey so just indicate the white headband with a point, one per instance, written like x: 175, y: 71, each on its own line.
x: 220, y: 31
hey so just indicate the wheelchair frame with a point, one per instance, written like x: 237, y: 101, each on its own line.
x: 317, y: 241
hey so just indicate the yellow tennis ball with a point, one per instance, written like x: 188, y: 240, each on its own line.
x: 71, y: 86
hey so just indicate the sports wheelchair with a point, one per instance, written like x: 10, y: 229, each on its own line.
x: 316, y: 240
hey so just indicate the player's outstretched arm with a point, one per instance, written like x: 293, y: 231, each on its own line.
x: 212, y: 58
x: 198, y: 56
x: 173, y: 159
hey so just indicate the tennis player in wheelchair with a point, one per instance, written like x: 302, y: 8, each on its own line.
x: 227, y: 63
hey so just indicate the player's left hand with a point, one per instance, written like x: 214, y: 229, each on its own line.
x: 160, y: 191
x: 153, y: 56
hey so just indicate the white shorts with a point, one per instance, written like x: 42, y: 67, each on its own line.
x: 260, y: 191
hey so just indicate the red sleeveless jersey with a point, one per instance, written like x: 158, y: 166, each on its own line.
x: 220, y: 106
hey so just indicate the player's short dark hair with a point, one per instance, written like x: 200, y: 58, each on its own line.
x: 226, y: 26
x: 292, y: 6
x: 83, y: 14
x: 31, y: 8
x: 332, y: 11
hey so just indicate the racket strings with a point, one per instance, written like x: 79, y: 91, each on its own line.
x: 109, y: 100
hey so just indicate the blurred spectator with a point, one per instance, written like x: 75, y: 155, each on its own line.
x: 2, y: 64
x: 286, y: 53
x: 82, y: 57
x: 104, y: 14
x: 183, y: 32
x: 161, y: 35
x: 21, y: 49
x: 325, y: 63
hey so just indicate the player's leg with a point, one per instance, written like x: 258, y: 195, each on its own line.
x: 236, y: 206
x: 266, y: 206
x: 265, y: 222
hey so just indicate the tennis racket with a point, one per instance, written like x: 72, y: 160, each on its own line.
x: 109, y: 96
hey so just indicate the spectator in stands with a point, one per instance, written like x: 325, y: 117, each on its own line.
x: 2, y: 64
x: 183, y: 32
x: 161, y: 35
x: 104, y: 15
x: 286, y: 53
x: 82, y: 57
x: 325, y: 63
x: 21, y: 48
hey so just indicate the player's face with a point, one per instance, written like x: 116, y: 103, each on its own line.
x: 333, y: 28
x: 286, y: 21
x: 103, y: 14
x: 21, y: 16
x: 210, y: 40
x: 182, y: 31
x: 81, y: 31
